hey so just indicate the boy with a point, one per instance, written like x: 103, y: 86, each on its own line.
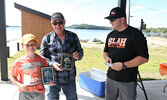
x: 27, y: 68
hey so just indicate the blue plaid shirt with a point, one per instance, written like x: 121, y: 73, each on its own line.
x: 52, y: 48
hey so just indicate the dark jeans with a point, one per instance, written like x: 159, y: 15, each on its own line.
x: 69, y: 89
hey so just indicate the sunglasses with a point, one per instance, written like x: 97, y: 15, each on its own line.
x: 32, y: 45
x: 112, y: 20
x: 60, y: 23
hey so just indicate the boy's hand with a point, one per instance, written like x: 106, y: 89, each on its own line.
x: 23, y: 87
x: 51, y: 83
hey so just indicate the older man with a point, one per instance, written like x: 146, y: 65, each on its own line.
x: 53, y: 45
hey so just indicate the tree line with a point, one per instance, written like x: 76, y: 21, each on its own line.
x: 87, y: 26
x: 156, y: 30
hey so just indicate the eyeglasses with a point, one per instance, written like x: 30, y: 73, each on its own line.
x: 60, y: 23
x: 112, y: 20
x: 32, y: 45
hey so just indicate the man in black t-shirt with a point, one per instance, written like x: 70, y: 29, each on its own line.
x: 125, y: 48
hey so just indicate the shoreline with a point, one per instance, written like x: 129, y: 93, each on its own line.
x: 151, y: 41
x: 154, y: 41
x: 12, y: 40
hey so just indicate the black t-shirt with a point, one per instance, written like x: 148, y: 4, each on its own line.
x: 124, y: 46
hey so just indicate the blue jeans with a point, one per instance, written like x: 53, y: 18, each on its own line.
x: 69, y: 89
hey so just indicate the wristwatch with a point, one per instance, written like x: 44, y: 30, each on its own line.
x: 123, y: 66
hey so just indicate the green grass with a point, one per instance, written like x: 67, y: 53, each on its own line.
x: 158, y: 55
x: 93, y: 57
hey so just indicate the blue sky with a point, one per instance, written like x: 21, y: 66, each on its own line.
x: 153, y: 12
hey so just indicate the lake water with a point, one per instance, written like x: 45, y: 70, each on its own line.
x: 91, y: 34
x: 15, y: 33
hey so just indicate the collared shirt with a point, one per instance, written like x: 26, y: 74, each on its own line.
x: 52, y: 47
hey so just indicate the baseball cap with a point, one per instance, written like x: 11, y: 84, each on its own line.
x: 116, y: 13
x: 57, y: 15
x: 28, y: 37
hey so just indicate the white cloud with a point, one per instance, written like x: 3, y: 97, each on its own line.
x: 138, y: 7
x: 157, y: 12
x: 85, y: 11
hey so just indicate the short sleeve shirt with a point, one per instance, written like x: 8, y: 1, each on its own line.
x: 29, y: 73
x: 124, y: 46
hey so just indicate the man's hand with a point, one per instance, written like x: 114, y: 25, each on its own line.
x: 57, y: 66
x: 117, y: 66
x: 76, y: 55
x: 51, y: 83
x: 108, y: 60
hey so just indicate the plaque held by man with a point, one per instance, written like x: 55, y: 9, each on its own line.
x: 67, y: 61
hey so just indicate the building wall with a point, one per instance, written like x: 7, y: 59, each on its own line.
x: 36, y: 25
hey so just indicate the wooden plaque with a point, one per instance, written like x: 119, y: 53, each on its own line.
x: 67, y: 61
x: 47, y: 75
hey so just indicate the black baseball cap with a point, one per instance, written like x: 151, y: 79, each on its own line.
x: 116, y: 13
x: 57, y: 15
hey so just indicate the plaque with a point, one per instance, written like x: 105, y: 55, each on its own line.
x: 47, y: 75
x: 67, y: 61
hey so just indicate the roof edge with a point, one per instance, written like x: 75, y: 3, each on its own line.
x: 18, y: 6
